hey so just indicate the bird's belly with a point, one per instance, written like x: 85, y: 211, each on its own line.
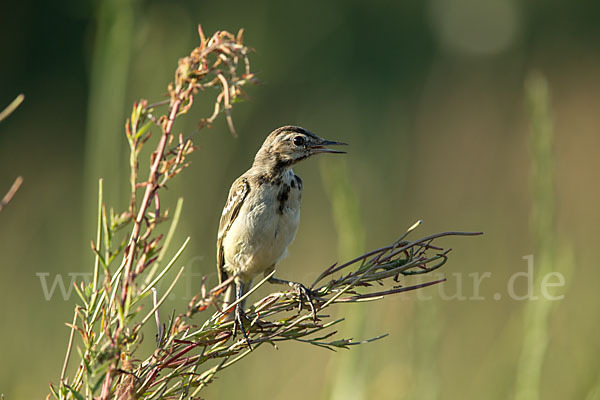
x: 260, y: 240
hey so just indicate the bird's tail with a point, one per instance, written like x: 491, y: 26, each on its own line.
x: 233, y: 293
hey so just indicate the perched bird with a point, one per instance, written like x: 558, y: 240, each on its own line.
x: 261, y: 216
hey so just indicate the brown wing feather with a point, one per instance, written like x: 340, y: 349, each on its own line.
x: 238, y: 192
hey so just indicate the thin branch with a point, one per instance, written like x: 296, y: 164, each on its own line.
x: 11, y: 192
x: 11, y: 107
x: 69, y: 347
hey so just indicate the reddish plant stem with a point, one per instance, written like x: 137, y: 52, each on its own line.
x: 105, y: 394
x: 11, y: 192
x: 151, y: 187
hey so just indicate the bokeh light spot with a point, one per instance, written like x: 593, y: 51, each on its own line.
x: 479, y: 27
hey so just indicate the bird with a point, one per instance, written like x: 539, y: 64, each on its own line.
x: 261, y: 216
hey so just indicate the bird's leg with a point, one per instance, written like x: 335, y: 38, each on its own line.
x: 303, y: 293
x: 239, y: 314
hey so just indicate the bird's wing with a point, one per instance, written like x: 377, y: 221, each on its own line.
x: 238, y: 192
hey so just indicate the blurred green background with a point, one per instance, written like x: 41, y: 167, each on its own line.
x: 432, y: 97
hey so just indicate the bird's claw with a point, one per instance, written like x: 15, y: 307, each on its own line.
x: 305, y: 293
x: 238, y: 322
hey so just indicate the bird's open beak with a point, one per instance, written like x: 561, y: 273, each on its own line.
x: 320, y: 148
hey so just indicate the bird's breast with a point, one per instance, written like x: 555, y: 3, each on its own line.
x: 266, y: 225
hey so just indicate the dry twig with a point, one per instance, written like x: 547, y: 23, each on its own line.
x: 11, y: 192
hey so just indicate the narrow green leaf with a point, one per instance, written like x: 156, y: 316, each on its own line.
x: 164, y: 271
x: 168, y: 238
x: 75, y: 393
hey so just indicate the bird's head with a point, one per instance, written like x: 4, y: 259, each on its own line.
x: 287, y: 145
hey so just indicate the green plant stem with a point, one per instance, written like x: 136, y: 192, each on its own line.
x: 348, y: 370
x: 115, y: 21
x: 537, y: 312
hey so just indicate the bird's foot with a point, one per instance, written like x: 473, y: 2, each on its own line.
x: 240, y: 315
x: 305, y: 293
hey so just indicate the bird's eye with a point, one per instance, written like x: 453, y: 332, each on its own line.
x: 299, y: 140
